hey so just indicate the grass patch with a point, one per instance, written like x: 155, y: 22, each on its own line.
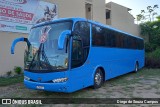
x: 134, y: 77
x: 11, y: 80
x: 149, y: 72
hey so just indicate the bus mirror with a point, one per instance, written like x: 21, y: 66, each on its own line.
x: 62, y: 37
x: 15, y: 42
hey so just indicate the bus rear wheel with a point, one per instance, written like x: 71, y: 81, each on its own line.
x: 98, y: 79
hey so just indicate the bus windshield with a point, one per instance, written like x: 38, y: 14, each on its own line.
x: 42, y: 53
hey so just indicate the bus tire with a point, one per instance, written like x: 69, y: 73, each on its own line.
x: 136, y: 67
x: 98, y: 79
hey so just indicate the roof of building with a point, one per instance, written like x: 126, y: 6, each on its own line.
x: 129, y: 9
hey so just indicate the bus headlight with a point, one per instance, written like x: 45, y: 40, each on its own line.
x: 26, y: 78
x: 59, y: 80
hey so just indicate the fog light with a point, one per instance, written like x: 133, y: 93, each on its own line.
x: 26, y: 78
x: 59, y: 80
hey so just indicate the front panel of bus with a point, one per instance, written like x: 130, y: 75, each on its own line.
x: 52, y: 69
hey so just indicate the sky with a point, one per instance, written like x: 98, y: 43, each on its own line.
x: 137, y: 5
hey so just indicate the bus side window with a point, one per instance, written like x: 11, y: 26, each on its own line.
x: 125, y: 42
x: 113, y: 39
x: 98, y: 36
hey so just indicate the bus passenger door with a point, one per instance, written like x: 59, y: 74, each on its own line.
x: 80, y: 70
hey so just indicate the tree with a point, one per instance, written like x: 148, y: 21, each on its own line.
x: 152, y: 31
x: 139, y: 17
x: 158, y: 18
x: 147, y: 15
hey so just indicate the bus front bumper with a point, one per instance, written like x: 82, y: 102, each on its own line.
x: 54, y: 87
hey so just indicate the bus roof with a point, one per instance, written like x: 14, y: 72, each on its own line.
x: 83, y: 19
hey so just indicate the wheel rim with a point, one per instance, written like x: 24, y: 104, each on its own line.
x: 98, y: 78
x: 136, y: 68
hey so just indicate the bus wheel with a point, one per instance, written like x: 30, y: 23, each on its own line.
x: 136, y: 67
x: 98, y: 79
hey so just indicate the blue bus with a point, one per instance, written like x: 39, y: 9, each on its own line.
x: 69, y: 54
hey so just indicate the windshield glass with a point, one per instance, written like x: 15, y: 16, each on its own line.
x: 42, y: 52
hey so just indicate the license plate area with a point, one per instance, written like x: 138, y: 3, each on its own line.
x: 40, y: 87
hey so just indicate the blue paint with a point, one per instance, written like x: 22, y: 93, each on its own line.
x: 62, y: 38
x: 14, y: 44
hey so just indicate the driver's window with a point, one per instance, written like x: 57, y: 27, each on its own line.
x: 77, y: 53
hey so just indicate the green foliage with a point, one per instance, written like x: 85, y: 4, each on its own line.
x: 155, y: 54
x: 9, y: 73
x: 158, y: 17
x: 152, y: 31
x: 153, y: 59
x: 10, y: 81
x: 150, y: 47
x: 146, y: 29
x: 17, y: 70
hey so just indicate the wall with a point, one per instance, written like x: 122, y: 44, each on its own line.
x: 8, y: 61
x: 122, y: 19
x: 99, y: 11
x: 69, y: 8
x: 76, y: 8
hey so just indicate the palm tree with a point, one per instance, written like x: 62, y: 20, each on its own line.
x: 150, y: 10
x: 153, y: 15
x: 142, y: 11
x: 155, y: 6
x: 140, y: 17
x: 149, y: 7
x: 150, y: 14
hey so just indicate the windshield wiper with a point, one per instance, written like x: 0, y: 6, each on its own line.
x: 39, y: 63
x: 45, y: 57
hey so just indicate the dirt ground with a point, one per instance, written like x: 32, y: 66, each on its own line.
x: 132, y: 85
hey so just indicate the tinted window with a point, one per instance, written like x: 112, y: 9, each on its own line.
x: 81, y: 43
x: 98, y: 34
x: 119, y: 40
x: 83, y: 29
x: 125, y: 41
x: 109, y: 38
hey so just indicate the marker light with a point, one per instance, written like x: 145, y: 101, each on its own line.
x: 26, y: 78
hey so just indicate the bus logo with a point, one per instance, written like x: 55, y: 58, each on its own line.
x: 44, y: 33
x: 39, y: 79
